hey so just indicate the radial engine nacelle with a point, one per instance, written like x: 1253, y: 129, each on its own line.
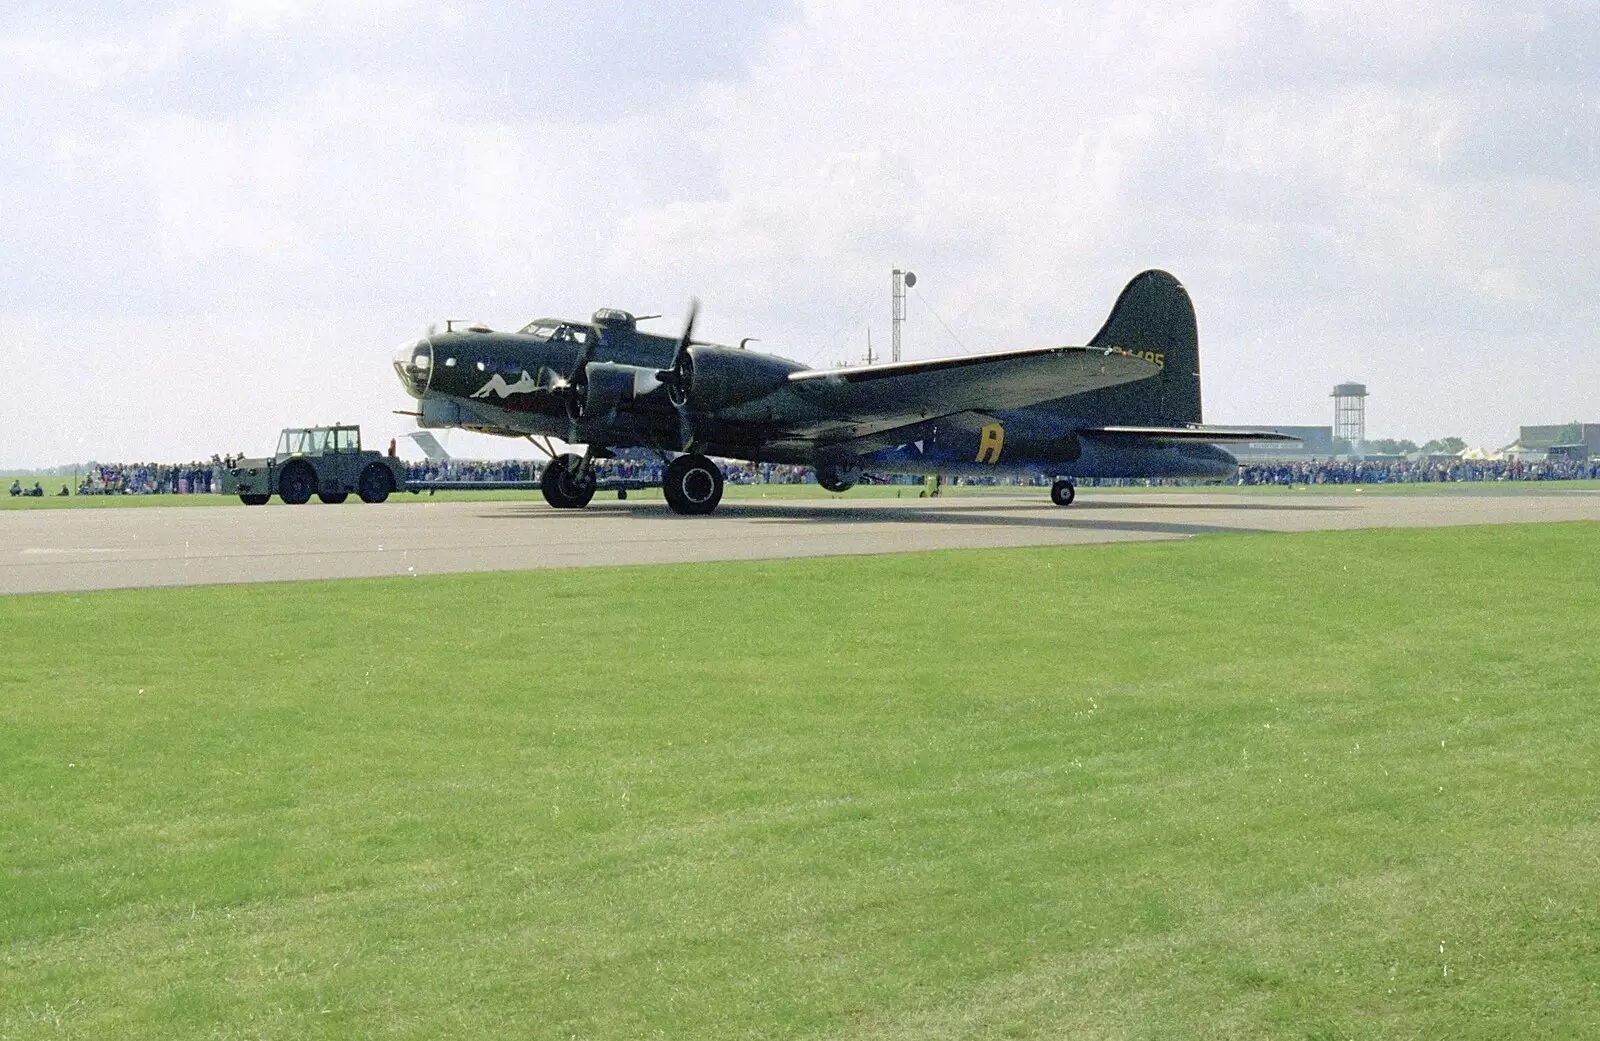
x: 601, y: 386
x: 708, y: 377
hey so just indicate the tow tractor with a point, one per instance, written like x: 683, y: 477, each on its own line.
x: 327, y: 462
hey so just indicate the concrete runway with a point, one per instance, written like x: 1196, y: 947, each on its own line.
x: 71, y: 550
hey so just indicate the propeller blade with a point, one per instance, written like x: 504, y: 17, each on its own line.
x: 673, y: 376
x: 688, y: 327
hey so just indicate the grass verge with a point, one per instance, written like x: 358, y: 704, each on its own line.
x: 1310, y: 786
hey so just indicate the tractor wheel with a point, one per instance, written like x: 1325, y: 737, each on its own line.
x: 296, y: 483
x: 375, y: 483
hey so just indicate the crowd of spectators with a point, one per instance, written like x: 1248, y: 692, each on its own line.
x: 648, y: 470
x: 199, y: 478
x: 474, y: 470
x: 1415, y: 471
x: 148, y: 479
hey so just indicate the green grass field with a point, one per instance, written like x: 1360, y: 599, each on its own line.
x: 1318, y: 786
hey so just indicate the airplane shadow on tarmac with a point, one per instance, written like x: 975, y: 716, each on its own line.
x: 973, y: 513
x: 1292, y: 507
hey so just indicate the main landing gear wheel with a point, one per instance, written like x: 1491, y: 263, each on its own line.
x: 693, y: 485
x: 567, y: 484
x: 1062, y: 493
x: 375, y: 483
x: 296, y: 484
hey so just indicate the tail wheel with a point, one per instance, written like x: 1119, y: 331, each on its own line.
x: 296, y: 483
x: 693, y: 485
x: 254, y: 500
x: 333, y: 498
x: 375, y: 483
x: 1063, y: 492
x: 567, y: 484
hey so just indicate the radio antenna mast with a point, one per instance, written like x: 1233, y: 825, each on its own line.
x: 899, y: 283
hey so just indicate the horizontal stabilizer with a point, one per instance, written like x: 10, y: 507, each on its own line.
x: 1208, y: 435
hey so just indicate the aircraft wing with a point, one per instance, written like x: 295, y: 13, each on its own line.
x: 908, y: 391
x: 1209, y: 435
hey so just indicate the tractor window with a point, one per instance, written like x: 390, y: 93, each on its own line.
x: 347, y: 439
x: 292, y: 442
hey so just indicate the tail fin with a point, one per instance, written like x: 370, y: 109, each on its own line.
x: 1152, y: 318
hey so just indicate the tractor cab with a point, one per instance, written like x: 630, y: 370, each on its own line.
x: 318, y: 441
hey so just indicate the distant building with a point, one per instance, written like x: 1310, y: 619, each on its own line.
x: 1314, y: 443
x: 1544, y: 437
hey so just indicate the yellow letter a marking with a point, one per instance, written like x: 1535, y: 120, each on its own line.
x: 991, y: 439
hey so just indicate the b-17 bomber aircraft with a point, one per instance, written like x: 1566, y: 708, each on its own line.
x: 1125, y: 405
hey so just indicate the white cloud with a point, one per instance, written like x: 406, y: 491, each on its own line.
x: 1404, y: 193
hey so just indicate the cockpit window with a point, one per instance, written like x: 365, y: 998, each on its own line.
x: 559, y: 331
x: 542, y: 328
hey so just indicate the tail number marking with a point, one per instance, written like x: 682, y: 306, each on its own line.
x: 1157, y: 358
x: 991, y: 439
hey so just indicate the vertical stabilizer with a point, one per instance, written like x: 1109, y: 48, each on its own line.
x: 430, y: 446
x: 1154, y: 319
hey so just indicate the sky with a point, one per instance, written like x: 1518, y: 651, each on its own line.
x: 220, y: 219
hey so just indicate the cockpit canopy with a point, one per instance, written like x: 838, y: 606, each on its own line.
x: 557, y: 330
x: 605, y: 320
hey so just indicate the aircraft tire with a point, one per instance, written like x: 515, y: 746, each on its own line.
x: 374, y: 484
x: 333, y: 498
x: 255, y: 500
x: 693, y: 485
x: 296, y: 483
x: 1063, y: 492
x: 561, y: 488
